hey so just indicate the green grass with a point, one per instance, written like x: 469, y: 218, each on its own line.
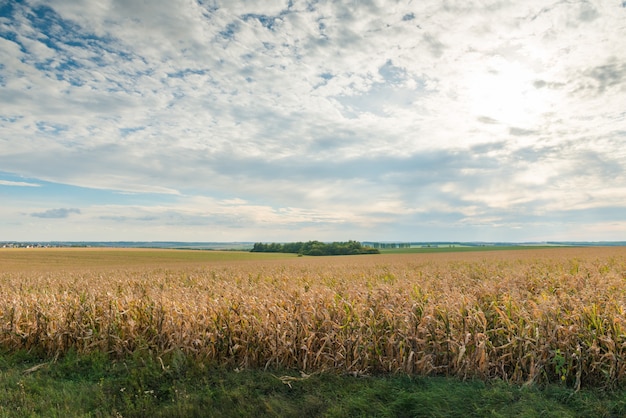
x: 94, y: 386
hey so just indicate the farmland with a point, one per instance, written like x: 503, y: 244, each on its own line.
x: 524, y: 317
x: 519, y: 316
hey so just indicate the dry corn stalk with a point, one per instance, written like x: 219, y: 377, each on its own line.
x: 520, y: 316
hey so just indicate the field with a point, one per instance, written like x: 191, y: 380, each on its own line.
x: 462, y: 248
x: 531, y: 316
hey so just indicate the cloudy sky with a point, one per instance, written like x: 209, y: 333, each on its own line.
x: 245, y: 120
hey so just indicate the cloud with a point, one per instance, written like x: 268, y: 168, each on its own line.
x: 521, y: 132
x: 487, y: 120
x: 607, y: 76
x: 18, y: 183
x: 56, y: 213
x: 435, y: 46
x: 349, y: 116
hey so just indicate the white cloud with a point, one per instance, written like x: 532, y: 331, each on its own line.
x: 18, y: 183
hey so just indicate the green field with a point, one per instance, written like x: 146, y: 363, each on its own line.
x: 462, y: 248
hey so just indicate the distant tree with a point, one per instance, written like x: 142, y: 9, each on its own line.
x: 316, y: 248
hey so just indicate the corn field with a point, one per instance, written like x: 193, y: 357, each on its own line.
x: 527, y: 316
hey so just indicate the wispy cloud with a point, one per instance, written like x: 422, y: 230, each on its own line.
x: 56, y: 213
x: 18, y: 183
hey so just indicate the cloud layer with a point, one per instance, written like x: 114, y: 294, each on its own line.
x: 284, y: 120
x: 56, y: 213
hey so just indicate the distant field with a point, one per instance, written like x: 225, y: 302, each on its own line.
x: 52, y: 259
x: 461, y: 248
x: 524, y: 315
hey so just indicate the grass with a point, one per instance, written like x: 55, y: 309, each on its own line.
x: 139, y: 385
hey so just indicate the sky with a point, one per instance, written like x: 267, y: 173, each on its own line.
x: 276, y: 120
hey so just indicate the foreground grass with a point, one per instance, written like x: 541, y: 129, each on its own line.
x: 93, y: 386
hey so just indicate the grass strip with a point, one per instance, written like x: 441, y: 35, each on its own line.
x: 138, y: 386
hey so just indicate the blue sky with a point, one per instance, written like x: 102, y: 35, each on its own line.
x: 297, y: 120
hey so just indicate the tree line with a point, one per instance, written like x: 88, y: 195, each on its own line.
x: 315, y: 248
